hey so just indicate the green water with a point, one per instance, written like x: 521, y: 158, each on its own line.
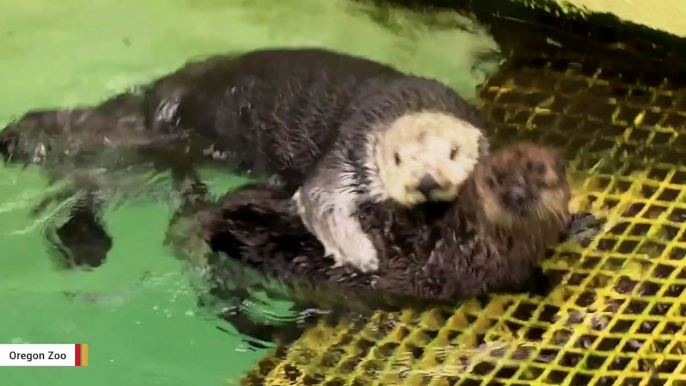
x: 137, y: 312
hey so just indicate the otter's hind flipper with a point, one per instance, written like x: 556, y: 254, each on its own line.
x: 254, y: 333
x: 232, y: 286
x: 82, y: 241
x: 227, y: 279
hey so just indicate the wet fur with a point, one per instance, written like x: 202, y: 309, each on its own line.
x: 353, y: 172
x: 268, y: 111
x: 265, y: 113
x: 432, y: 253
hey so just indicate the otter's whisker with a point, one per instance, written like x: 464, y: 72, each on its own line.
x: 559, y: 217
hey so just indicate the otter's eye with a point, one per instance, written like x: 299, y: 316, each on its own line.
x: 535, y: 167
x: 397, y: 158
x: 453, y: 153
x: 540, y: 169
x: 560, y: 167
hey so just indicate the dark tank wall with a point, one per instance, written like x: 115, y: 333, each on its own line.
x: 511, y: 23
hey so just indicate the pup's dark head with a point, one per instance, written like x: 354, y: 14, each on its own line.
x: 523, y: 182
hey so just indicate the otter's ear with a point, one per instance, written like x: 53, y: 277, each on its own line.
x: 484, y: 146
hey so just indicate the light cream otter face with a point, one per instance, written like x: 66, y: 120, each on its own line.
x: 523, y: 182
x: 425, y: 156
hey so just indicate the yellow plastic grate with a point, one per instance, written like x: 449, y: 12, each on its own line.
x: 617, y: 315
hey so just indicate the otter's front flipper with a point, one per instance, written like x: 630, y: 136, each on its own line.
x: 330, y: 217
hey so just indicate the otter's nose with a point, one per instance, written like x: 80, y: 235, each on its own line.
x: 427, y: 184
x: 517, y: 196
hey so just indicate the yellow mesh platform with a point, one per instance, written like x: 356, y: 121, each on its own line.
x: 616, y: 315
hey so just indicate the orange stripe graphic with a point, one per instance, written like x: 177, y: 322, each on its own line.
x: 84, y: 355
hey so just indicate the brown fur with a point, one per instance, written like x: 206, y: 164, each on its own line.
x: 270, y: 112
x: 433, y: 252
x: 488, y: 242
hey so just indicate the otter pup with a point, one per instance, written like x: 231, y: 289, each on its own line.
x: 510, y: 209
x: 344, y: 128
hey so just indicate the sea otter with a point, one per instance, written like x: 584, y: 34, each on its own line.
x: 413, y: 141
x: 345, y: 129
x: 508, y: 212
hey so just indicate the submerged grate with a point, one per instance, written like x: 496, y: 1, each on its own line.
x: 616, y: 315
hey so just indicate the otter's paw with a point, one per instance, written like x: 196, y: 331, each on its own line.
x: 331, y: 251
x: 297, y: 200
x: 364, y: 257
x: 583, y: 227
x: 338, y: 263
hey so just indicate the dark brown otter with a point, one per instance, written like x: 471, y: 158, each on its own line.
x: 511, y: 209
x: 267, y: 112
